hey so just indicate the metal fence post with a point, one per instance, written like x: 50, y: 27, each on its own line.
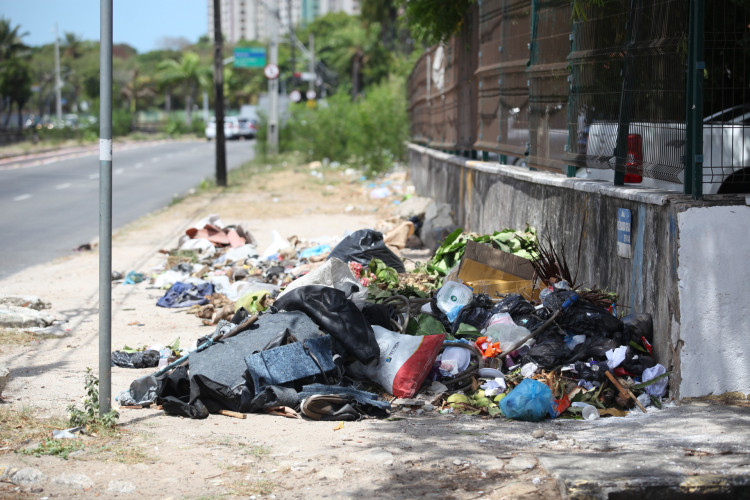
x: 694, y: 101
x: 623, y: 127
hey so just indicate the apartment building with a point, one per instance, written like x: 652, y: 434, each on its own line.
x: 251, y: 19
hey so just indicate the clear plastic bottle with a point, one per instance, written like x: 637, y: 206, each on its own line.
x: 452, y: 297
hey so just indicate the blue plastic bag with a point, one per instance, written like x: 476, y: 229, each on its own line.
x: 530, y: 401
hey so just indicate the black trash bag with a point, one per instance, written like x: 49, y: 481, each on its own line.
x: 548, y: 352
x: 593, y: 373
x: 174, y: 395
x: 140, y: 359
x: 335, y: 314
x: 593, y: 347
x: 364, y: 245
x: 379, y: 314
x: 635, y: 362
x: 639, y: 325
x: 476, y: 313
x: 529, y: 321
x: 585, y: 318
x: 515, y: 305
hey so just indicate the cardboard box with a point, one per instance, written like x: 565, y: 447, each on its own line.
x: 491, y: 271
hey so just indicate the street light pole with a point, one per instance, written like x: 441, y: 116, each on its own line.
x: 105, y: 206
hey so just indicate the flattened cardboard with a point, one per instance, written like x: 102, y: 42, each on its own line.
x: 488, y: 270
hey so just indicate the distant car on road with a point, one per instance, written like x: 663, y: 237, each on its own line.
x: 234, y: 128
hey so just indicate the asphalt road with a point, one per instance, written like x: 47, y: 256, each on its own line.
x: 49, y: 204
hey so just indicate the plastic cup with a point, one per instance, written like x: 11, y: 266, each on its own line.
x: 590, y: 412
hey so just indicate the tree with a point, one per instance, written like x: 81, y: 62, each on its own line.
x: 10, y: 40
x: 189, y: 74
x: 351, y: 49
x: 12, y: 70
x: 138, y: 87
x: 15, y: 84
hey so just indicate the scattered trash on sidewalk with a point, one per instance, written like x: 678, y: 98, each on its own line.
x: 491, y: 325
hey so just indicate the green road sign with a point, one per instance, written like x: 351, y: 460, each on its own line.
x: 249, y: 57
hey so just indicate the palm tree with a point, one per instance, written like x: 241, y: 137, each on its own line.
x: 139, y: 86
x: 15, y: 85
x: 189, y: 74
x: 350, y: 48
x: 12, y: 70
x: 10, y: 40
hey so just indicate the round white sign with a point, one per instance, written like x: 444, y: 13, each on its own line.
x: 310, y: 94
x: 271, y: 71
x: 295, y: 96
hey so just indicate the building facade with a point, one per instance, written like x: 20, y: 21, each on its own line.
x: 251, y: 19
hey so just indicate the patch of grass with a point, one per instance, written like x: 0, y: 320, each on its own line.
x: 123, y: 452
x: 253, y: 487
x: 14, y: 336
x: 55, y: 447
x: 19, y: 428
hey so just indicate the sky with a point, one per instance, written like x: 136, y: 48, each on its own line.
x: 143, y: 24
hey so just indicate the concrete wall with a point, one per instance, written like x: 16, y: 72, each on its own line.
x: 487, y: 197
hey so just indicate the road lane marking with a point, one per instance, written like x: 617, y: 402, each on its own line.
x: 119, y: 171
x: 65, y: 185
x: 93, y: 176
x: 22, y: 197
x: 139, y: 165
x: 155, y: 160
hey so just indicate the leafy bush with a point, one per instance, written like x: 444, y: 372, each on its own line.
x: 175, y: 127
x: 89, y: 418
x: 369, y: 131
x: 122, y: 121
x: 198, y: 127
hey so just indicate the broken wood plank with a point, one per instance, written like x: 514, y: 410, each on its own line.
x: 234, y: 414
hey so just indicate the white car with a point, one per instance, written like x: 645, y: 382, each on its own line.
x: 234, y: 128
x: 726, y: 153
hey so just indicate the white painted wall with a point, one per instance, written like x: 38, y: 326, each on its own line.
x: 714, y: 290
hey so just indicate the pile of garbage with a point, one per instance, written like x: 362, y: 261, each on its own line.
x: 340, y: 330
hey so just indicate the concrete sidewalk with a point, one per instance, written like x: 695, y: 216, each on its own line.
x: 696, y: 449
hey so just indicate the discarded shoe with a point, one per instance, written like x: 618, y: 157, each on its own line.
x: 329, y: 407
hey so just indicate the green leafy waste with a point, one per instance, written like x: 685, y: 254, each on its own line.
x: 519, y: 243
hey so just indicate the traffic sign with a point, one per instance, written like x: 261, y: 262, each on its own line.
x: 295, y: 96
x: 249, y: 57
x: 310, y: 94
x: 271, y: 71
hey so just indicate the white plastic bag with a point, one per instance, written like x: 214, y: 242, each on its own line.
x: 334, y: 273
x: 404, y: 362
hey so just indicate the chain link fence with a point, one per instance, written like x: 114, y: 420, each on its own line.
x: 605, y: 94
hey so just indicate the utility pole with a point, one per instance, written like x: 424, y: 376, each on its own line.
x: 58, y: 81
x: 273, y: 83
x: 312, y: 61
x: 221, y: 152
x: 105, y: 204
x: 291, y: 39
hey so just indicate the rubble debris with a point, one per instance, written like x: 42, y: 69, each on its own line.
x: 342, y: 331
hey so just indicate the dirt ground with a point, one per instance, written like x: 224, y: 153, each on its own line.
x: 408, y: 456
